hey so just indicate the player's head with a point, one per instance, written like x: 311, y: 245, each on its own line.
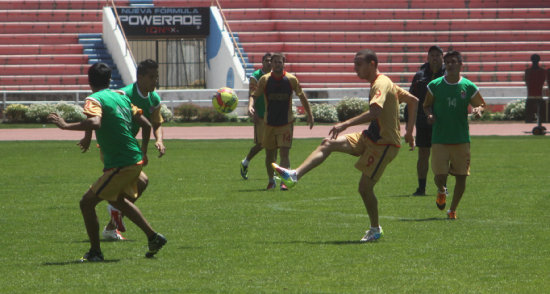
x: 278, y: 62
x: 366, y: 64
x: 535, y: 58
x: 99, y: 76
x: 147, y: 75
x: 453, y: 62
x: 435, y: 57
x: 266, y: 62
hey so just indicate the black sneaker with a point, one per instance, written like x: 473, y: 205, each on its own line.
x: 419, y: 192
x: 92, y: 256
x: 155, y: 245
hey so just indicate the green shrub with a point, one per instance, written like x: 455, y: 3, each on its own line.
x: 166, y: 113
x: 350, y: 107
x: 187, y: 111
x: 70, y: 112
x: 515, y: 110
x: 402, y: 111
x: 324, y: 113
x: 209, y: 114
x: 38, y: 113
x: 15, y: 113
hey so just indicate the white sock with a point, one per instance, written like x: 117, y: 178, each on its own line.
x: 245, y: 162
x: 375, y: 229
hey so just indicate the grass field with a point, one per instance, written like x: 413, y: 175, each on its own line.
x: 227, y: 235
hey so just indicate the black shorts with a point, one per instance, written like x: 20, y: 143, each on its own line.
x: 424, y: 137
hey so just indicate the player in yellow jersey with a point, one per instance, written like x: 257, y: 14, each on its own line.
x: 376, y: 147
x: 277, y: 88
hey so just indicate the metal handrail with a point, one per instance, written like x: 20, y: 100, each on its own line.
x: 113, y: 5
x: 230, y: 33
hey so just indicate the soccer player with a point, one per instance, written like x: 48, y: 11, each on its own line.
x: 446, y: 106
x: 376, y: 147
x: 258, y: 117
x: 428, y: 71
x: 277, y: 88
x: 110, y: 115
x: 534, y: 81
x: 142, y: 94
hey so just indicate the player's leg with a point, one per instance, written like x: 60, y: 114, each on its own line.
x: 366, y: 190
x: 422, y: 166
x: 270, y: 156
x: 87, y: 206
x: 460, y: 162
x: 156, y: 241
x: 460, y: 187
x: 259, y: 130
x: 440, y: 167
x: 423, y: 144
x: 322, y: 152
x: 116, y: 224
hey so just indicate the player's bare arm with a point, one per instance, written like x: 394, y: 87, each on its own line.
x: 307, y: 108
x: 478, y: 105
x: 251, y: 111
x: 84, y: 143
x: 159, y: 142
x: 412, y: 105
x: 91, y: 123
x: 367, y: 116
x: 428, y: 102
x: 145, y: 134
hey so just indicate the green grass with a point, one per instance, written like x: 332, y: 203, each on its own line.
x: 227, y: 235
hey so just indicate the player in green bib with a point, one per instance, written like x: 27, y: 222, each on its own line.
x: 446, y: 107
x: 141, y: 94
x: 111, y: 115
x: 258, y: 118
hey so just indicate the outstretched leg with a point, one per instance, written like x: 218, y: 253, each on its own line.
x: 322, y: 152
x: 87, y: 206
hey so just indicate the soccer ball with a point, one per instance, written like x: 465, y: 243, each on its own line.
x: 225, y: 100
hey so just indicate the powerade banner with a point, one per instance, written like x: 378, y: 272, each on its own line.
x: 165, y: 21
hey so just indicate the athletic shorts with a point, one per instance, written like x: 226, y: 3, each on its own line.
x: 424, y: 137
x: 117, y: 182
x: 373, y: 158
x: 259, y: 129
x: 451, y: 159
x: 277, y: 137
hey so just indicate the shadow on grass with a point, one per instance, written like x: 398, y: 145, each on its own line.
x: 410, y: 195
x: 344, y: 242
x: 102, y: 240
x: 78, y: 262
x: 424, y: 219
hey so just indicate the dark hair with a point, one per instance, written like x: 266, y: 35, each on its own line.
x: 99, y: 75
x: 535, y: 58
x: 145, y: 66
x: 368, y: 55
x: 435, y: 48
x: 268, y: 54
x: 453, y: 53
x: 278, y: 54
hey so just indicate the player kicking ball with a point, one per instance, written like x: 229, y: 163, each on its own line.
x: 376, y: 146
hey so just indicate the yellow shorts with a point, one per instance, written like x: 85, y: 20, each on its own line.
x: 451, y: 159
x: 259, y: 129
x: 373, y: 158
x: 277, y: 137
x: 118, y: 181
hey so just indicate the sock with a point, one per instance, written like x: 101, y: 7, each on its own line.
x: 245, y: 162
x: 377, y: 229
x: 422, y: 184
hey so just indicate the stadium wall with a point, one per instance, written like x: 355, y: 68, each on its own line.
x: 114, y: 41
x: 224, y: 69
